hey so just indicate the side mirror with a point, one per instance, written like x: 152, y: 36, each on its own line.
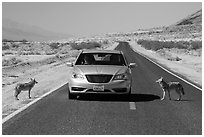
x: 132, y: 65
x: 70, y: 64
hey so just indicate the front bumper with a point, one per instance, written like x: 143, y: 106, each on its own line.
x: 113, y: 87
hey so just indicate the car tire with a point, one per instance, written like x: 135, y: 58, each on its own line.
x: 129, y: 94
x: 71, y: 96
x: 130, y: 91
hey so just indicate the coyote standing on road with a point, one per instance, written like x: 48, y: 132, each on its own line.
x: 23, y: 87
x: 171, y: 86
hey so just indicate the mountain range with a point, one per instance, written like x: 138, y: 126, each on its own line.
x: 12, y: 30
x: 195, y: 18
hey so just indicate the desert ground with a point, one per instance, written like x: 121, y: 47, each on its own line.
x: 51, y: 71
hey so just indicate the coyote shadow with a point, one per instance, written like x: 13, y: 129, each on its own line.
x: 119, y: 98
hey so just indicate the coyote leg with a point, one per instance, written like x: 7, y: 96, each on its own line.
x: 179, y: 93
x: 29, y: 94
x: 16, y: 94
x: 169, y: 95
x: 16, y: 97
x: 163, y: 95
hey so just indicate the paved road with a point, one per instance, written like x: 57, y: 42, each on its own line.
x: 144, y: 113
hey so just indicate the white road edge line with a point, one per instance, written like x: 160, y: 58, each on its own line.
x: 167, y: 70
x: 27, y: 105
x: 132, y: 105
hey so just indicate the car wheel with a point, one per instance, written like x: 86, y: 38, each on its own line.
x: 130, y: 91
x: 129, y: 94
x: 72, y: 96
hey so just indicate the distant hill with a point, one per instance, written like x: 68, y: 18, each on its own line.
x: 195, y: 18
x: 188, y: 28
x: 13, y: 30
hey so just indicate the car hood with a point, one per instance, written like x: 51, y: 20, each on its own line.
x: 100, y: 69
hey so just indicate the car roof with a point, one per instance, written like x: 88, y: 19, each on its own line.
x: 101, y: 51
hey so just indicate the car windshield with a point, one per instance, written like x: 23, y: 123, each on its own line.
x: 100, y: 59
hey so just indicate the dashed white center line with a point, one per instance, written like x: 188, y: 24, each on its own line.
x: 132, y: 106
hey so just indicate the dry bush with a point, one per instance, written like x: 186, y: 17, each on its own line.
x: 54, y: 45
x: 11, y: 61
x: 157, y: 45
x: 5, y: 47
x: 85, y: 45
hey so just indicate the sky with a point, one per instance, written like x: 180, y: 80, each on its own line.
x: 89, y: 18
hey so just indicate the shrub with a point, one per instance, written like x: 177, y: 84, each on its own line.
x: 12, y: 61
x: 54, y: 45
x: 15, y: 60
x: 8, y: 53
x: 178, y: 59
x: 105, y: 42
x: 5, y: 62
x: 84, y: 45
x: 74, y: 46
x: 196, y: 45
x: 14, y: 45
x: 64, y: 50
x: 180, y: 45
x: 91, y: 45
x: 24, y: 41
x: 51, y: 52
x: 157, y: 45
x: 5, y: 47
x: 174, y: 58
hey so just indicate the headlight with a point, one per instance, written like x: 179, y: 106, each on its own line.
x: 122, y: 76
x: 77, y: 76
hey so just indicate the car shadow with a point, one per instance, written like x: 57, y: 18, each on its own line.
x: 119, y: 98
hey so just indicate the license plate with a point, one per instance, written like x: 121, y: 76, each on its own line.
x: 98, y: 88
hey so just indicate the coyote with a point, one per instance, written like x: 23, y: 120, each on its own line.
x: 171, y: 86
x: 23, y: 87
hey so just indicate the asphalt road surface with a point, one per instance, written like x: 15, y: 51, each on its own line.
x: 142, y: 114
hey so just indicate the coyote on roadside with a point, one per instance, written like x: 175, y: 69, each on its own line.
x: 171, y: 86
x: 24, y: 87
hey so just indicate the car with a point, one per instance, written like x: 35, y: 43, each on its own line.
x: 100, y: 72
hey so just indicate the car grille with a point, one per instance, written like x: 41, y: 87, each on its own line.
x: 99, y: 78
x: 92, y: 91
x: 120, y: 90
